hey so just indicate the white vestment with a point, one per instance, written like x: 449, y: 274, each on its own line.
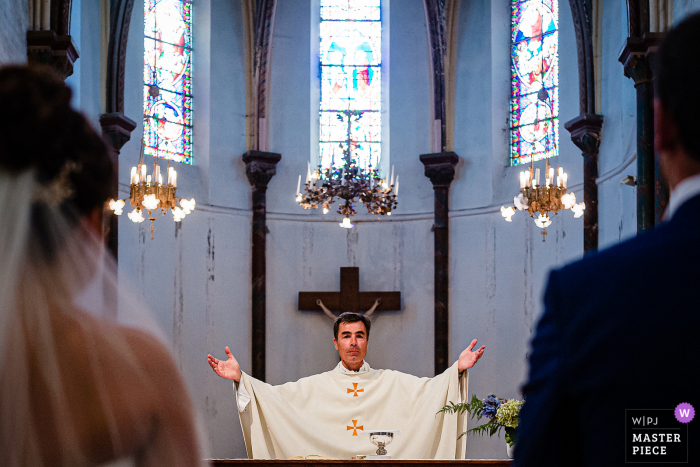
x: 331, y: 414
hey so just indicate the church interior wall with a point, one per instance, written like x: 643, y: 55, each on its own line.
x: 195, y: 275
x: 499, y: 269
x: 13, y: 31
x: 617, y: 203
x: 305, y: 249
x: 86, y: 81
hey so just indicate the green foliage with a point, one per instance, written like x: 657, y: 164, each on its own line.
x: 506, y: 418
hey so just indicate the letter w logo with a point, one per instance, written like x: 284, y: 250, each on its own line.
x: 685, y: 413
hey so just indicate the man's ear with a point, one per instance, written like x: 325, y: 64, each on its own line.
x: 335, y: 342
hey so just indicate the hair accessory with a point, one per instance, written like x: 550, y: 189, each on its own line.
x: 60, y: 188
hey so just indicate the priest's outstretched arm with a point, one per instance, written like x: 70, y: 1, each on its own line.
x: 229, y: 369
x: 468, y: 359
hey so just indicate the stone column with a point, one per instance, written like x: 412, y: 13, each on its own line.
x: 440, y: 169
x: 585, y: 133
x: 116, y: 129
x: 639, y: 61
x: 48, y: 48
x: 260, y: 167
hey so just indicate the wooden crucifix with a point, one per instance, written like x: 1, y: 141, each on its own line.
x: 349, y: 298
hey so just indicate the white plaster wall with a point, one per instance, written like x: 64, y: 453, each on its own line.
x: 499, y: 269
x: 682, y: 8
x: 305, y: 249
x: 617, y: 203
x: 13, y: 31
x: 85, y: 80
x: 195, y: 276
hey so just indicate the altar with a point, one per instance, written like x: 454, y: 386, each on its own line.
x: 359, y: 463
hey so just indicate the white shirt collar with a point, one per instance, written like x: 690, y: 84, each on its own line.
x: 686, y: 189
x: 363, y: 369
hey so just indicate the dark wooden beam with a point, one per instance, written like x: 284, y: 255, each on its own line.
x: 585, y: 133
x: 435, y: 16
x: 116, y: 129
x: 639, y: 60
x: 260, y: 167
x: 120, y: 19
x: 440, y: 169
x: 349, y: 298
x: 49, y: 48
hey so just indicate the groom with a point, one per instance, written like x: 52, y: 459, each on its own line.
x: 330, y: 414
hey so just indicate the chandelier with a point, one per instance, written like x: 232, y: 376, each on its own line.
x: 148, y: 193
x: 348, y: 183
x: 543, y: 199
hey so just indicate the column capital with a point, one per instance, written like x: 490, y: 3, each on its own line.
x: 586, y: 132
x: 260, y: 167
x: 117, y: 127
x: 638, y: 57
x: 49, y: 48
x: 440, y: 168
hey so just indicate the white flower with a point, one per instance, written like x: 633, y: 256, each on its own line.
x: 578, y: 209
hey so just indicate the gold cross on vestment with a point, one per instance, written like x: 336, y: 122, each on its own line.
x: 354, y: 428
x: 355, y: 390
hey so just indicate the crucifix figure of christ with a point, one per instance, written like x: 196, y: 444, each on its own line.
x: 349, y: 298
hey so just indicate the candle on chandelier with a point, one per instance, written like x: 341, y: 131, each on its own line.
x: 156, y: 174
x: 174, y: 179
x: 148, y: 180
x: 565, y: 177
x: 559, y: 176
x: 522, y: 179
x: 551, y: 176
x: 299, y: 184
x: 134, y: 178
x: 391, y: 182
x: 397, y: 185
x: 537, y: 177
x: 160, y: 179
x: 143, y: 172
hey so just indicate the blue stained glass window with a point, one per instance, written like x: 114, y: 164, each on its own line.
x: 534, y: 100
x: 351, y: 94
x: 167, y: 79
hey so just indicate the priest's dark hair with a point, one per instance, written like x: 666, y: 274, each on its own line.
x: 676, y: 82
x: 350, y: 317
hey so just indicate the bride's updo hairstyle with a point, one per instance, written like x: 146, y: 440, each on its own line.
x: 40, y: 132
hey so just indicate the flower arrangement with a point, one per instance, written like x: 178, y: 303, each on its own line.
x: 502, y: 414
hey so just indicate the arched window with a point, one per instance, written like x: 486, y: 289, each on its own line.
x: 534, y: 100
x: 167, y: 80
x: 351, y: 93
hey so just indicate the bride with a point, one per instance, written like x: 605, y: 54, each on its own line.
x: 76, y: 387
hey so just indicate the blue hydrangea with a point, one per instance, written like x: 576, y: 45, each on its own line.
x: 490, y: 407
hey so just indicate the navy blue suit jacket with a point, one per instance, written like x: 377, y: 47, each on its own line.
x: 620, y: 330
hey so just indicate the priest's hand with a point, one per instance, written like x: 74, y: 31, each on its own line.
x: 229, y: 369
x: 468, y: 358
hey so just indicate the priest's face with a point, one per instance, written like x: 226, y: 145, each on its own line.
x: 351, y: 344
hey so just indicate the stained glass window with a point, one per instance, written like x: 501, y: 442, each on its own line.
x: 351, y: 94
x: 167, y: 79
x: 534, y: 100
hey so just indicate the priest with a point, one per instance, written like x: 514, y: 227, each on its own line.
x: 331, y: 414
